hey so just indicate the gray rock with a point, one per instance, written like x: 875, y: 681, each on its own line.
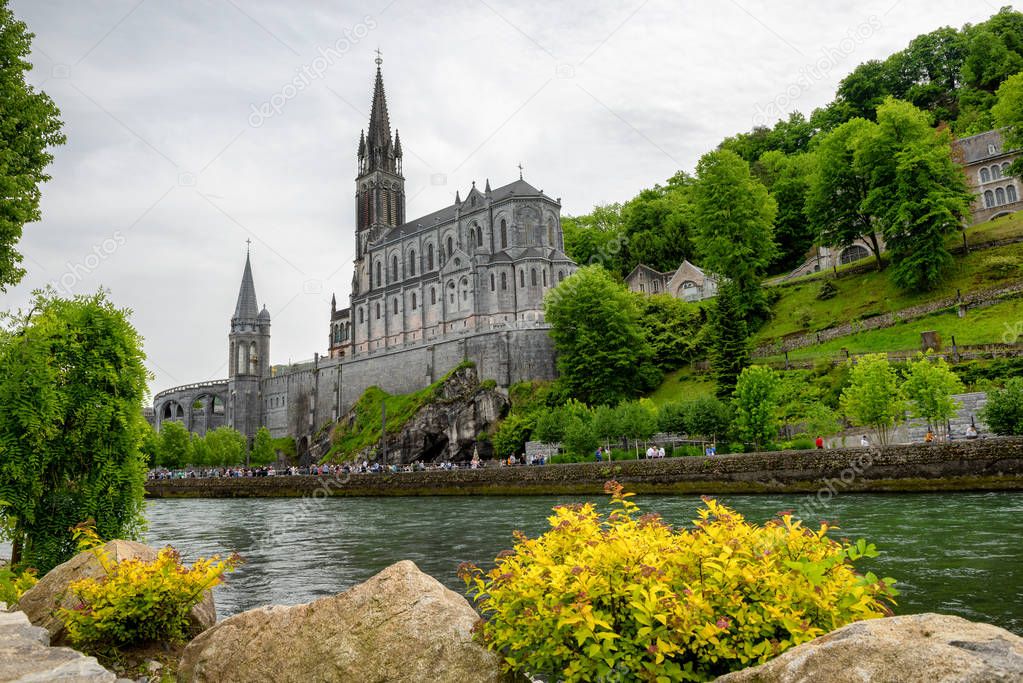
x: 400, y: 626
x: 25, y: 656
x: 925, y: 648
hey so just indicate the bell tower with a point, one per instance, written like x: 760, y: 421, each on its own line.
x: 248, y: 357
x: 380, y: 186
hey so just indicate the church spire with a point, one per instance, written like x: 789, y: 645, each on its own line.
x: 379, y: 122
x: 246, y: 308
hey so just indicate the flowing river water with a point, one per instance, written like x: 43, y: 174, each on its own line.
x: 958, y: 553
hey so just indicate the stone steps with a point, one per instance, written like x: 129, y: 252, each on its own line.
x: 26, y: 656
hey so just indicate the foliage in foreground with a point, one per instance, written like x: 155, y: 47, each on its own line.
x: 138, y: 601
x: 1004, y: 409
x: 14, y: 584
x: 72, y: 382
x: 629, y: 595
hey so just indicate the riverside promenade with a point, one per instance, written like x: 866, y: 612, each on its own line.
x: 994, y: 464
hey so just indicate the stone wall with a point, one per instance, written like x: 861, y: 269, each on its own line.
x: 985, y: 464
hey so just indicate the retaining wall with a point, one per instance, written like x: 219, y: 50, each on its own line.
x: 985, y: 464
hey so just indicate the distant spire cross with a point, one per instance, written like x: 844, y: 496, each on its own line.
x: 520, y: 170
x: 248, y: 244
x: 380, y: 57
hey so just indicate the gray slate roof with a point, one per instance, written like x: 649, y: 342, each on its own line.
x: 246, y: 306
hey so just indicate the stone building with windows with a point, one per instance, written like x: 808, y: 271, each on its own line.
x: 986, y: 163
x: 464, y: 283
x: 687, y: 282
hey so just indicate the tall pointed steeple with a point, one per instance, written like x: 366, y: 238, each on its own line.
x: 379, y: 122
x: 246, y: 308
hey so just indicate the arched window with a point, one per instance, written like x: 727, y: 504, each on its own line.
x: 504, y: 280
x: 361, y: 317
x: 999, y: 196
x: 412, y: 263
x: 378, y: 310
x: 379, y: 279
x: 253, y: 359
x: 479, y: 237
x: 522, y: 278
x: 544, y: 277
x: 989, y: 199
x: 996, y: 172
x: 985, y: 175
x: 394, y: 305
x: 413, y: 301
x: 561, y: 275
x: 504, y: 234
x: 394, y: 268
x: 1005, y: 169
x: 532, y: 277
x: 1010, y: 193
x: 433, y: 296
x: 550, y: 232
x: 492, y: 287
x: 451, y: 293
x: 429, y: 257
x: 451, y: 247
x: 465, y: 289
x: 241, y: 359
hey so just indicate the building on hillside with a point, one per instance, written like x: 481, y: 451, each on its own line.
x: 986, y: 164
x: 464, y: 283
x: 686, y: 282
x: 827, y: 258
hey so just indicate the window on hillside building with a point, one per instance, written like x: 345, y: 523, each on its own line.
x: 429, y: 257
x: 433, y: 296
x: 379, y: 279
x: 504, y: 234
x: 378, y: 310
x: 412, y: 263
x: 394, y: 268
x: 451, y: 246
x: 413, y: 301
x: 996, y: 172
x: 989, y: 199
x: 492, y: 288
x: 985, y: 175
x: 999, y: 196
x: 522, y: 278
x: 504, y: 280
x: 561, y: 276
x: 1010, y: 193
x: 544, y: 277
x: 532, y: 277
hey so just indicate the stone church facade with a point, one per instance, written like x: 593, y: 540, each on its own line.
x: 466, y: 282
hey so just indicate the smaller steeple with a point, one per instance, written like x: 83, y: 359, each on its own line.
x: 246, y: 307
x: 333, y: 304
x: 397, y: 143
x: 458, y: 199
x: 486, y: 190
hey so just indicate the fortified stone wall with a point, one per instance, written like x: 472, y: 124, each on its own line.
x: 985, y: 464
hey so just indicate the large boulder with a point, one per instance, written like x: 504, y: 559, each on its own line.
x: 931, y: 648
x: 400, y: 625
x: 41, y: 601
x: 25, y: 656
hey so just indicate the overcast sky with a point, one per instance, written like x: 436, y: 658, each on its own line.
x: 194, y: 125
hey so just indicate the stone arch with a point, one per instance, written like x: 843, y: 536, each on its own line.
x: 853, y: 252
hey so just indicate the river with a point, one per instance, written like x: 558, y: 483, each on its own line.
x: 955, y: 553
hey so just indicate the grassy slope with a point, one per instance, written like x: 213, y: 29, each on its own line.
x: 862, y: 295
x: 682, y: 385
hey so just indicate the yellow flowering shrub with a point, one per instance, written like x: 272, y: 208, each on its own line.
x: 139, y: 601
x: 14, y: 584
x: 628, y: 597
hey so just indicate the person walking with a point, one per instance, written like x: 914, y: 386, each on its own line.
x: 819, y: 443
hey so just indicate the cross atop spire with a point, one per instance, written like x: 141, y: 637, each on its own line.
x: 248, y: 244
x: 520, y: 170
x: 380, y: 57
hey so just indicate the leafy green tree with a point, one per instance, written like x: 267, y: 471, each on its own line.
x: 728, y: 341
x: 708, y: 417
x: 226, y: 447
x: 735, y: 235
x: 671, y: 418
x: 755, y: 404
x: 597, y: 237
x: 637, y: 419
x: 263, y: 452
x: 29, y: 126
x: 149, y: 446
x: 834, y: 202
x: 72, y: 382
x: 580, y: 438
x: 673, y: 328
x: 199, y: 454
x: 658, y: 226
x: 1008, y: 114
x: 929, y: 386
x: 175, y: 445
x: 1003, y: 411
x: 873, y: 397
x: 603, y: 356
x: 787, y: 178
x: 512, y: 434
x: 917, y: 194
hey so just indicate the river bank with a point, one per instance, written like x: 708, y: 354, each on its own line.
x: 982, y: 465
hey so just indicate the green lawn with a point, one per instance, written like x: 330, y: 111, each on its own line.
x: 991, y: 325
x: 682, y: 385
x: 864, y: 295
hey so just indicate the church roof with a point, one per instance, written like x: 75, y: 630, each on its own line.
x: 246, y: 306
x: 516, y: 188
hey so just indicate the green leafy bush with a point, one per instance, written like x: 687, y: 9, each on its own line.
x: 827, y: 291
x: 13, y: 584
x: 631, y: 597
x: 1004, y: 409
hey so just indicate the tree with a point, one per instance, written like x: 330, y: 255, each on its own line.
x: 226, y: 447
x: 658, y: 226
x: 834, y: 202
x: 873, y: 397
x: 597, y: 237
x: 917, y: 194
x: 580, y: 438
x: 1008, y: 115
x: 929, y: 386
x: 708, y: 417
x: 787, y: 178
x: 72, y: 382
x: 199, y: 453
x: 263, y: 452
x: 735, y: 235
x: 756, y: 406
x: 175, y: 445
x: 671, y: 418
x: 729, y: 341
x: 603, y: 356
x: 1003, y: 411
x: 29, y: 126
x: 673, y: 328
x: 149, y: 446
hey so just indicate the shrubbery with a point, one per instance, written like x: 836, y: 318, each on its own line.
x: 630, y: 596
x: 138, y: 601
x: 1004, y: 409
x: 13, y: 584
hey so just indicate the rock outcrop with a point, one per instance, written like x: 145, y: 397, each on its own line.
x: 41, y: 601
x: 929, y: 648
x: 399, y: 626
x: 448, y: 426
x: 25, y: 655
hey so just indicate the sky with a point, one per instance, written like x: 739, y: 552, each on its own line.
x: 196, y: 125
